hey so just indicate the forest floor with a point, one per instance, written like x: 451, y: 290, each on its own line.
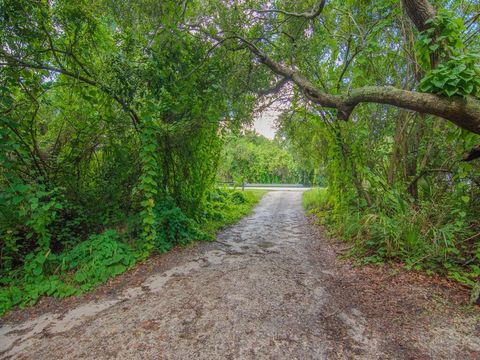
x: 271, y: 286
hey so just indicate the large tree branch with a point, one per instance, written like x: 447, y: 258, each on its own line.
x: 464, y: 112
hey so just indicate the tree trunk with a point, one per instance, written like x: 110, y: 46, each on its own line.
x: 419, y: 11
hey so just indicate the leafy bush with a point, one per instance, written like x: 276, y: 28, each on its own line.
x: 315, y: 198
x: 97, y: 259
x: 72, y: 272
x: 458, y: 72
x: 225, y: 207
x: 175, y: 228
x: 238, y: 198
x: 107, y: 254
x: 459, y: 76
x: 29, y: 211
x: 424, y: 238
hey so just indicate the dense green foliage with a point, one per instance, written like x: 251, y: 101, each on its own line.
x: 101, y: 256
x: 114, y: 114
x: 314, y: 199
x: 252, y: 158
x: 459, y: 73
x: 111, y: 125
x: 226, y: 207
x: 397, y: 188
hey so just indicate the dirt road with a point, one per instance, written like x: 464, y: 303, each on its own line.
x: 271, y: 287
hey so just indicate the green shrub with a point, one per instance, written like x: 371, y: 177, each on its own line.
x: 225, y: 207
x: 315, y: 198
x: 423, y: 238
x: 105, y: 255
x: 175, y: 228
x: 97, y: 259
x: 238, y: 198
x: 72, y: 272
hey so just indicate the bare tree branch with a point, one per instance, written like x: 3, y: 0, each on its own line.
x: 275, y: 88
x: 312, y: 14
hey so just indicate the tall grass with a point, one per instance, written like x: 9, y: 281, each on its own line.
x: 432, y: 237
x: 315, y: 198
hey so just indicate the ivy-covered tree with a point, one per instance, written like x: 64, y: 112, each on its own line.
x: 111, y: 115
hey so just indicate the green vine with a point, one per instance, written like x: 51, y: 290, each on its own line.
x: 148, y: 183
x: 460, y: 76
x: 458, y: 73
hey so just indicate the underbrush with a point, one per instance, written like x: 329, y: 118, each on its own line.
x: 314, y: 198
x: 225, y: 207
x: 80, y: 267
x: 431, y: 236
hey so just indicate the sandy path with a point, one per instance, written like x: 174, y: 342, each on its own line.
x: 270, y: 287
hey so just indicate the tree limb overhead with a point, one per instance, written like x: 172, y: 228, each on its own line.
x: 464, y: 112
x: 312, y: 14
